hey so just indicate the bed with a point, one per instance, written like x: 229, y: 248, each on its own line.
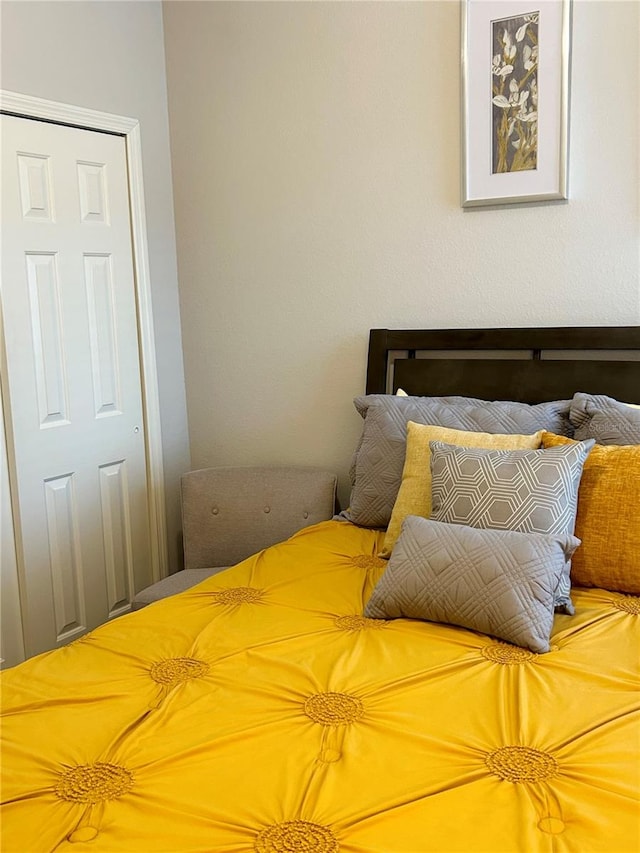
x: 273, y: 708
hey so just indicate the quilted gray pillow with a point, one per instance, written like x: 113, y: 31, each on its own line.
x: 499, y: 582
x: 604, y: 419
x: 531, y: 491
x: 376, y: 471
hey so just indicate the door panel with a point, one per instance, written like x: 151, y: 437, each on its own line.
x: 74, y: 387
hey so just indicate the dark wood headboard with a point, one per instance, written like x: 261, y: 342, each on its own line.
x: 528, y: 365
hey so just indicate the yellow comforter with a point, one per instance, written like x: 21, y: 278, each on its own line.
x: 261, y: 712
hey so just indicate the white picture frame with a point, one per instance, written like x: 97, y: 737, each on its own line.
x: 515, y: 101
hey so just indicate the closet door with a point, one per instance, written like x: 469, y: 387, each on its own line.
x: 11, y: 640
x: 73, y: 400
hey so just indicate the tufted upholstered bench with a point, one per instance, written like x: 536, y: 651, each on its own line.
x: 230, y: 513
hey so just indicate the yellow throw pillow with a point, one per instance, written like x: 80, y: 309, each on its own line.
x: 414, y: 496
x: 608, y: 518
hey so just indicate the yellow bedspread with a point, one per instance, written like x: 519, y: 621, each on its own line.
x: 261, y: 712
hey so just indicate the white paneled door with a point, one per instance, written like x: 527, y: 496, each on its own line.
x: 73, y: 399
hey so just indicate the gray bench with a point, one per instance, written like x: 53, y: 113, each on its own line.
x: 229, y: 514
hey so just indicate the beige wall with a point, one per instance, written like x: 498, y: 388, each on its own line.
x: 316, y: 180
x: 109, y: 56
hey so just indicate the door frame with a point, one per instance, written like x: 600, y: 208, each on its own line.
x: 27, y: 106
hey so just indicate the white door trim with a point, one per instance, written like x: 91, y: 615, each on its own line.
x: 54, y: 111
x: 12, y: 638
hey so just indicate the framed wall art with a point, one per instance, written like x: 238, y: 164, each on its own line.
x: 515, y: 101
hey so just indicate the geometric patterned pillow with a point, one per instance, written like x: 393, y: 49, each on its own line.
x: 531, y: 491
x: 376, y: 470
x: 414, y: 497
x: 499, y: 582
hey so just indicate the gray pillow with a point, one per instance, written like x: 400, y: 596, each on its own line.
x: 376, y: 471
x: 604, y: 419
x: 499, y: 582
x: 531, y: 491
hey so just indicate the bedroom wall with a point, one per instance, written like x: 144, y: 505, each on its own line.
x: 110, y: 57
x: 316, y: 151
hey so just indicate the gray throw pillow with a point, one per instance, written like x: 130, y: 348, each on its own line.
x: 531, y: 491
x: 376, y: 471
x: 604, y: 419
x: 499, y: 582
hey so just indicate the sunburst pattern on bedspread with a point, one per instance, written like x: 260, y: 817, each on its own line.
x: 260, y: 711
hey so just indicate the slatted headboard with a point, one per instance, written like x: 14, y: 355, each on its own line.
x: 528, y: 365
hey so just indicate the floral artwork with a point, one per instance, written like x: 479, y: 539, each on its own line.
x: 514, y: 93
x: 515, y: 110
